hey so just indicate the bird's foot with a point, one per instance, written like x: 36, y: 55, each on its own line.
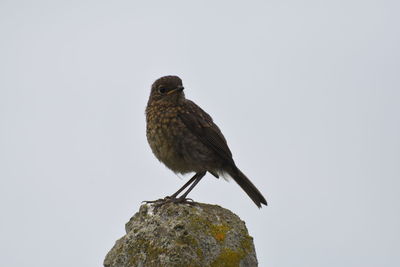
x: 162, y: 201
x: 153, y: 201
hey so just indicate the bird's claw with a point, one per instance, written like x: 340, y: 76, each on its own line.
x: 162, y: 201
x: 153, y: 201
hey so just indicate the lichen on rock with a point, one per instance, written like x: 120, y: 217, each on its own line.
x: 198, y: 235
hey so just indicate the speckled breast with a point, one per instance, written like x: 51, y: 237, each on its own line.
x: 173, y: 143
x: 165, y: 133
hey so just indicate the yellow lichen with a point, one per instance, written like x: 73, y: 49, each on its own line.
x: 227, y: 258
x: 219, y: 231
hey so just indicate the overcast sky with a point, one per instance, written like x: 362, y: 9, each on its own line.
x: 307, y: 94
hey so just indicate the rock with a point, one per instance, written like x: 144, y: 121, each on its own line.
x: 184, y: 235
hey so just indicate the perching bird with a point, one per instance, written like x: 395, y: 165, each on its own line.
x: 185, y: 138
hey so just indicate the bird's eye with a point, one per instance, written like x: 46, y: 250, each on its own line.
x: 162, y: 90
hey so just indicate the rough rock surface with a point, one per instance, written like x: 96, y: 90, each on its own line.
x: 197, y: 235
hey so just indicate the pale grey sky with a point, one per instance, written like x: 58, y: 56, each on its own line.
x: 306, y: 92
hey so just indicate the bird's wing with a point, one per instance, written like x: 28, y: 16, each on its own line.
x: 203, y: 127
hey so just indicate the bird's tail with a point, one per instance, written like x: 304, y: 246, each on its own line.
x: 250, y: 189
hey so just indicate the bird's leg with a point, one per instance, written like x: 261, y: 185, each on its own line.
x: 173, y: 198
x: 184, y: 186
x: 198, y: 176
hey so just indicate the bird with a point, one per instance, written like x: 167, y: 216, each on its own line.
x: 185, y: 139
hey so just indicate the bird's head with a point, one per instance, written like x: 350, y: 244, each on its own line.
x: 167, y: 88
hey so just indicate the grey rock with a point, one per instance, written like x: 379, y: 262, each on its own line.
x: 175, y: 235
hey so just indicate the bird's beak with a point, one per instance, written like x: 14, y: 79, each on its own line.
x: 178, y: 89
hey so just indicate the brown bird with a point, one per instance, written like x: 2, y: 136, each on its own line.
x: 185, y: 138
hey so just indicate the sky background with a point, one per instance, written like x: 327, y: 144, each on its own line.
x: 306, y: 92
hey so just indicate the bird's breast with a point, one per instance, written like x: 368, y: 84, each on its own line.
x: 174, y: 144
x: 165, y: 133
